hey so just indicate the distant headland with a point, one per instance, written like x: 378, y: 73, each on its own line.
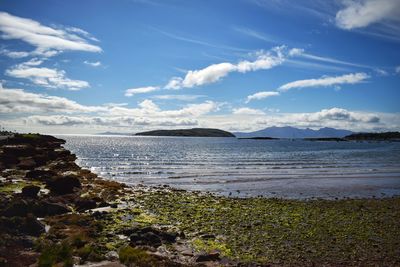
x: 195, y: 132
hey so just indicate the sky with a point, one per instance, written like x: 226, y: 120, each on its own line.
x: 83, y: 67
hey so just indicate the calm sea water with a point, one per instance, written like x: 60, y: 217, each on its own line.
x: 229, y: 166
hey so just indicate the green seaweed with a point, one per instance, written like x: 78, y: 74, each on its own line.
x: 285, y: 231
x: 136, y: 257
x: 56, y: 253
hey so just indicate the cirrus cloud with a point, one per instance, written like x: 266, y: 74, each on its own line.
x: 261, y: 95
x: 141, y: 90
x: 47, y: 40
x: 93, y: 64
x: 351, y: 78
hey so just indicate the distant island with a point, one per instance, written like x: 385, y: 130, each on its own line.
x: 195, y: 132
x: 335, y: 139
x: 112, y: 133
x: 259, y: 138
x: 385, y: 136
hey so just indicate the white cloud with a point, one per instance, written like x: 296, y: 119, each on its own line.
x: 397, y: 69
x: 60, y: 115
x: 14, y: 54
x: 19, y: 101
x: 149, y: 106
x: 93, y: 64
x: 340, y: 114
x: 247, y: 111
x: 381, y: 72
x: 192, y: 110
x: 265, y: 60
x: 210, y: 74
x: 351, y: 78
x: 174, y: 83
x: 296, y: 52
x: 362, y: 13
x: 83, y: 33
x: 334, y: 117
x: 63, y: 120
x: 27, y: 111
x: 47, y: 40
x: 32, y: 62
x: 261, y: 95
x: 46, y: 77
x: 141, y: 90
x: 215, y: 72
x: 178, y: 97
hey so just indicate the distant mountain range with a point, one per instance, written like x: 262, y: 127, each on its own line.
x: 292, y: 132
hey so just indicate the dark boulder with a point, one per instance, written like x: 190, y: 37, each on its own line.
x: 145, y: 239
x: 40, y: 175
x: 8, y: 159
x: 212, y: 256
x: 36, y: 140
x: 27, y: 225
x: 62, y: 166
x: 41, y: 159
x: 19, y: 150
x: 45, y: 208
x: 26, y: 164
x: 22, y: 207
x: 30, y: 191
x: 103, y: 204
x: 149, y: 236
x: 18, y: 207
x: 31, y: 226
x: 63, y: 184
x: 85, y: 204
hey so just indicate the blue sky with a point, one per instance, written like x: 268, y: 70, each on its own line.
x: 131, y: 65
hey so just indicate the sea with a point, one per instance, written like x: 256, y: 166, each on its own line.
x: 294, y: 169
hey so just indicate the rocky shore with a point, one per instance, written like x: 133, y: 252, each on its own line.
x: 53, y: 213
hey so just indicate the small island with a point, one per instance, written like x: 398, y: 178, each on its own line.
x: 259, y: 138
x: 195, y: 132
x: 323, y: 139
x: 384, y: 136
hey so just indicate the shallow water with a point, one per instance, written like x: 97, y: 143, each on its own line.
x: 230, y: 166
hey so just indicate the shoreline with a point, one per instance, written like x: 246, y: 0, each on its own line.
x: 275, y: 178
x: 106, y: 221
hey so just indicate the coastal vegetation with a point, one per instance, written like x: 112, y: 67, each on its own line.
x: 52, y: 212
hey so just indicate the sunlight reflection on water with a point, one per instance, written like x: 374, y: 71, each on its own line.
x: 298, y: 169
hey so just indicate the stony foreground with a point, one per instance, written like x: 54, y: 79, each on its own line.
x: 53, y: 213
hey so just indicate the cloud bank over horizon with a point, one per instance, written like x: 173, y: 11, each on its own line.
x: 64, y: 114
